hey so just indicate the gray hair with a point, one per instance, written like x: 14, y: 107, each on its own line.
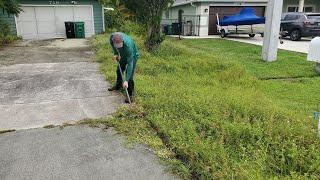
x: 117, y: 37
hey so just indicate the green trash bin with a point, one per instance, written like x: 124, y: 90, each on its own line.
x: 79, y: 29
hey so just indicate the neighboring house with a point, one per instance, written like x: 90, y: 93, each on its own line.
x: 199, y: 16
x: 43, y: 19
x: 308, y: 6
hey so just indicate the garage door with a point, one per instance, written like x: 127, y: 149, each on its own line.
x: 227, y: 11
x: 42, y: 22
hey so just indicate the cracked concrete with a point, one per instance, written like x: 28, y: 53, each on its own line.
x: 41, y: 84
x: 75, y: 152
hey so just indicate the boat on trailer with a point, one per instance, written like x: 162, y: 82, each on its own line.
x: 245, y: 22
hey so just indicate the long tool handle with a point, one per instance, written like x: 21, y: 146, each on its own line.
x: 119, y: 66
x: 126, y: 90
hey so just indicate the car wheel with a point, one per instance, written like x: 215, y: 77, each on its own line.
x: 223, y: 33
x: 252, y: 35
x: 262, y: 34
x: 295, y: 35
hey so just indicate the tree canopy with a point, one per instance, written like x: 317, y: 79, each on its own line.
x: 10, y: 7
x: 149, y: 12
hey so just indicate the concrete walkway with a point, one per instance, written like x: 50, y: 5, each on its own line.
x: 295, y: 46
x: 79, y: 153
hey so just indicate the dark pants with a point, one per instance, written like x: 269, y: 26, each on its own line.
x: 130, y: 82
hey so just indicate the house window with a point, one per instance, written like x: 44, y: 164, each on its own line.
x: 293, y: 9
x: 296, y: 9
x: 308, y: 9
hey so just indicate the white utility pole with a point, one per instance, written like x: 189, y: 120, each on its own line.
x: 301, y: 5
x: 272, y: 30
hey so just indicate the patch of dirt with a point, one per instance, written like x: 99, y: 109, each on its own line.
x: 69, y: 43
x: 294, y: 79
x: 47, y: 51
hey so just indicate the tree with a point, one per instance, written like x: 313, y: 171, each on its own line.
x: 119, y: 6
x: 150, y: 12
x: 10, y: 7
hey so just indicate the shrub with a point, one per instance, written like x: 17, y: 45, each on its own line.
x: 8, y: 39
x: 4, y: 28
x: 113, y: 19
x: 131, y: 27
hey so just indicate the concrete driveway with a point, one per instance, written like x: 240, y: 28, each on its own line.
x: 76, y: 152
x: 296, y: 46
x: 51, y: 82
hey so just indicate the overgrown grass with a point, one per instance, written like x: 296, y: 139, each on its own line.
x: 204, y: 106
x: 8, y: 39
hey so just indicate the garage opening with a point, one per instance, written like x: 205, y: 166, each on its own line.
x: 227, y: 11
x: 44, y: 22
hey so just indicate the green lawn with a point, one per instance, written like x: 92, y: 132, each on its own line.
x: 212, y: 109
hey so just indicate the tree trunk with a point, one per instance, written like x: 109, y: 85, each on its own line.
x: 154, y: 38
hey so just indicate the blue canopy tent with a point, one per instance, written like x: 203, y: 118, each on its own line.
x: 245, y: 17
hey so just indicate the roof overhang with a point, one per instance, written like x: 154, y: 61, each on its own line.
x: 219, y: 1
x: 184, y: 3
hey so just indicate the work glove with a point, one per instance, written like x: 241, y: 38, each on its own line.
x: 115, y: 58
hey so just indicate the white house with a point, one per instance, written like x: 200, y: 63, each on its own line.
x: 199, y: 16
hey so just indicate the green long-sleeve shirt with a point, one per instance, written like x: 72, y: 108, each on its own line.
x: 129, y: 53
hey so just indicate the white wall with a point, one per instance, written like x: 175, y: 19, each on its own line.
x: 204, y: 21
x: 173, y: 11
x: 189, y: 14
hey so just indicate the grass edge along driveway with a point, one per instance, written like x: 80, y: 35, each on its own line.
x: 212, y: 109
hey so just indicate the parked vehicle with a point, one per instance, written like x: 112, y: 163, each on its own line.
x: 298, y: 25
